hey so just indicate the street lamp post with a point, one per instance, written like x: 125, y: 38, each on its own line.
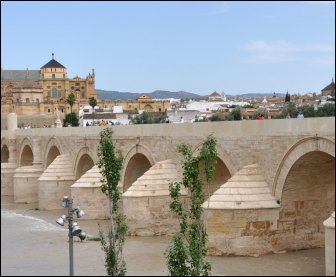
x: 74, y: 229
x: 70, y: 221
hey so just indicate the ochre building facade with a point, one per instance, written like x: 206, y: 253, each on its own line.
x: 44, y: 91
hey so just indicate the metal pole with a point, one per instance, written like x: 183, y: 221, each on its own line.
x: 70, y: 237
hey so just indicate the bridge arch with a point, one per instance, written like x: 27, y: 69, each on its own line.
x: 223, y: 170
x: 299, y: 149
x: 4, y: 153
x: 305, y: 185
x: 84, y: 162
x: 137, y: 161
x: 53, y: 149
x: 26, y: 153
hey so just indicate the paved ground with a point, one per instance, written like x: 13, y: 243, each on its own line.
x: 33, y: 244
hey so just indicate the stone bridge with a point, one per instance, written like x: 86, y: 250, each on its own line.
x: 274, y: 183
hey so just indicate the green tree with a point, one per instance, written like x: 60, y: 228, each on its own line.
x: 72, y: 119
x: 71, y: 101
x: 327, y: 109
x: 146, y: 118
x: 287, y: 97
x: 308, y: 111
x: 235, y: 114
x: 110, y: 164
x: 93, y: 103
x: 186, y: 253
x: 290, y: 109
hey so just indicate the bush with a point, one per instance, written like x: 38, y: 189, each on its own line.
x: 326, y: 110
x: 146, y: 118
x: 217, y: 117
x: 235, y: 114
x: 308, y: 111
x: 291, y: 110
x: 259, y: 111
x: 71, y: 118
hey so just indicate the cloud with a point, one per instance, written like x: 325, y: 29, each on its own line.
x: 282, y: 51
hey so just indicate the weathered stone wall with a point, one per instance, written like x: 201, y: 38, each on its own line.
x: 92, y: 201
x: 149, y: 216
x: 51, y: 192
x: 241, y: 232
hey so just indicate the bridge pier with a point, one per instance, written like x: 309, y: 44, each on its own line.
x: 329, y: 226
x: 87, y: 194
x: 55, y: 182
x: 25, y: 177
x: 7, y: 173
x: 149, y: 197
x: 25, y: 184
x: 241, y: 216
x: 8, y: 167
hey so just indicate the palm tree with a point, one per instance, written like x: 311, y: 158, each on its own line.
x: 92, y: 103
x: 71, y: 101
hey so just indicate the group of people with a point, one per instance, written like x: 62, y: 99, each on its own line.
x: 261, y: 116
x: 300, y: 115
x: 101, y: 123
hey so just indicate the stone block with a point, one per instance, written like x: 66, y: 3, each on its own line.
x: 26, y: 184
x: 7, y: 173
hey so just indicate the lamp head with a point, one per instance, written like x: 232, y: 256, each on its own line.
x: 76, y: 229
x: 61, y: 220
x: 79, y: 212
x: 82, y: 235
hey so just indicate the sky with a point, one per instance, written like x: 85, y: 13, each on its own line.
x: 199, y: 47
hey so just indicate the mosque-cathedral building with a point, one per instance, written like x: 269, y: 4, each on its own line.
x: 44, y: 92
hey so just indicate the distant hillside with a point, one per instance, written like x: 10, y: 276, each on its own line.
x: 158, y: 94
x: 255, y: 95
x: 162, y: 94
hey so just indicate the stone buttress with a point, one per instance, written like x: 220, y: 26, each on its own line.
x: 55, y: 182
x: 241, y: 215
x: 87, y: 194
x: 146, y: 202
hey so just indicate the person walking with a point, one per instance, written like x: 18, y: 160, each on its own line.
x: 300, y: 115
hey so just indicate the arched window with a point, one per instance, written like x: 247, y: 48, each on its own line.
x: 54, y: 92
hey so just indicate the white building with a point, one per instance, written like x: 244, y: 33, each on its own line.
x: 89, y: 117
